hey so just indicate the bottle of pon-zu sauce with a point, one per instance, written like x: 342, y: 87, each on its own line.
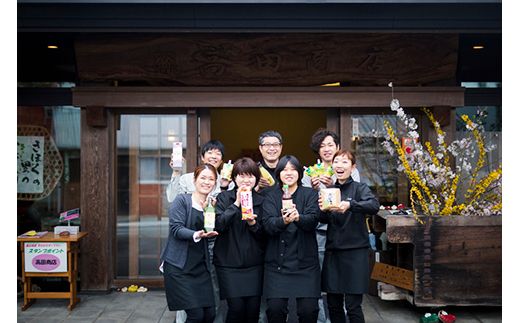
x: 287, y: 202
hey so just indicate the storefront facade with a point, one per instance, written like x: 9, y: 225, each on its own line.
x: 138, y: 76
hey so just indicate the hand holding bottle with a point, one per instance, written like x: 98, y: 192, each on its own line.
x: 262, y: 183
x: 251, y: 220
x: 290, y: 214
x: 202, y: 234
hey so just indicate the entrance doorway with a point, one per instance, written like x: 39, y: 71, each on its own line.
x: 238, y: 129
x: 144, y: 144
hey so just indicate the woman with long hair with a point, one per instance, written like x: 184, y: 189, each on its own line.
x: 185, y: 257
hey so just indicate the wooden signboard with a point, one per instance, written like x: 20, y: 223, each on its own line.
x: 294, y: 59
x: 393, y: 275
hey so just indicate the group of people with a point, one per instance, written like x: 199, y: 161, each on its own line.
x: 281, y: 252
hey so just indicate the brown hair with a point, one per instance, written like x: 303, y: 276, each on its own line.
x: 348, y: 153
x: 246, y: 165
x: 202, y: 167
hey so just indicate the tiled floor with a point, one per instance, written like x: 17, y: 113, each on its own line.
x: 151, y: 307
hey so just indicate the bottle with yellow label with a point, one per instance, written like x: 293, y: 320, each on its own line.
x: 266, y: 175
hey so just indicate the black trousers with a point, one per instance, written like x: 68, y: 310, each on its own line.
x: 306, y: 308
x: 243, y: 309
x: 352, y: 304
x: 200, y: 315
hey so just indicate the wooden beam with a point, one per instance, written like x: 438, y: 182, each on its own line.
x: 265, y: 97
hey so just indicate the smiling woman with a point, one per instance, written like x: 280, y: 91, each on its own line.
x: 343, y: 164
x: 295, y: 272
x: 185, y: 257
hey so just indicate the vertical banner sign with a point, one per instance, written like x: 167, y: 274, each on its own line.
x: 355, y: 127
x: 30, y: 153
x: 45, y: 257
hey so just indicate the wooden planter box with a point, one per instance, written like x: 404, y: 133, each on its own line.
x: 456, y: 260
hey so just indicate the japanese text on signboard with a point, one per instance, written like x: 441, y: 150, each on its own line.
x: 30, y: 153
x: 45, y: 256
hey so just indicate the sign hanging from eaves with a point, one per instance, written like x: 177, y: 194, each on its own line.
x: 268, y: 59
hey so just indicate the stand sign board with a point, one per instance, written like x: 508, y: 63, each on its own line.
x: 45, y: 257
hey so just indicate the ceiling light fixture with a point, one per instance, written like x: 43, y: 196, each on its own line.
x: 331, y: 84
x: 52, y: 46
x: 478, y: 47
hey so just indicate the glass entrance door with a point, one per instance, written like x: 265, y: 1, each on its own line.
x: 377, y: 168
x: 144, y: 147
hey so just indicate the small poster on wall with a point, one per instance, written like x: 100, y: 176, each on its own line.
x: 46, y: 257
x: 408, y: 144
x: 30, y: 155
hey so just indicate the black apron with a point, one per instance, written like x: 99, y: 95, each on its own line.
x: 191, y: 286
x: 345, y: 271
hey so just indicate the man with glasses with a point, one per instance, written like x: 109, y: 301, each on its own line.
x: 270, y: 146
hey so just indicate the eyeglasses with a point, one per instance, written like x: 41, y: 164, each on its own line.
x: 276, y: 145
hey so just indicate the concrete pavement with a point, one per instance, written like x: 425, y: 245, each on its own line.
x: 150, y: 307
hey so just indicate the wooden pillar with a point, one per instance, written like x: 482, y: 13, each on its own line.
x: 96, y: 206
x: 333, y: 120
x: 192, y: 155
x: 345, y: 129
x: 205, y: 126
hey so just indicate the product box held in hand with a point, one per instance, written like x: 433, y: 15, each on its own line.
x: 246, y: 201
x: 330, y: 197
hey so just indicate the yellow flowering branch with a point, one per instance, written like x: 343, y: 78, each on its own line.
x: 448, y: 209
x: 412, y: 175
x: 440, y: 133
x: 485, y: 183
x: 416, y: 191
x: 433, y: 183
x: 480, y: 143
x: 432, y: 154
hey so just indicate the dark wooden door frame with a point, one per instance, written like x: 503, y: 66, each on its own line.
x: 98, y: 129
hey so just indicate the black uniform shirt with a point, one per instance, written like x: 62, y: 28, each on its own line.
x: 238, y: 244
x: 348, y: 230
x: 291, y: 246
